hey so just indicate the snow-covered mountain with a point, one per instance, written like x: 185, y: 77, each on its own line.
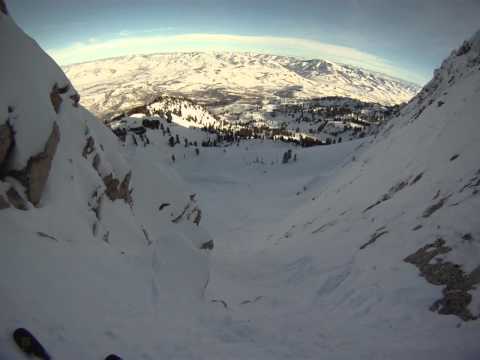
x: 220, y: 79
x: 367, y: 249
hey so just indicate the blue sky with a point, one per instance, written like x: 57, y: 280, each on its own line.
x: 403, y: 38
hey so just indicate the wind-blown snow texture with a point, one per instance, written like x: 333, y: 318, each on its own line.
x: 309, y: 256
x: 113, y: 85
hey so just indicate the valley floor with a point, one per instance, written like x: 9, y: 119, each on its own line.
x: 263, y: 304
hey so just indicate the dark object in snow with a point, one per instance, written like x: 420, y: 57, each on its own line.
x: 418, y: 227
x: 207, y: 246
x: 454, y: 157
x: 467, y: 237
x: 163, y: 205
x: 456, y: 297
x: 55, y: 98
x: 64, y: 89
x: 113, y: 357
x: 29, y: 344
x: 89, y: 147
x: 433, y: 208
x: 380, y: 232
x: 416, y: 179
x: 6, y: 142
x: 76, y: 99
x: 44, y: 235
x: 224, y: 303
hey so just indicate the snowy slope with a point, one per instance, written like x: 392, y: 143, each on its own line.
x: 365, y: 249
x: 381, y: 257
x: 219, y: 79
x: 317, y: 258
x: 93, y: 266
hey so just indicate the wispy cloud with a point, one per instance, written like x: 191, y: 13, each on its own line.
x: 126, y: 44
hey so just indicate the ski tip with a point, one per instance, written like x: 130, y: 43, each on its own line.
x: 29, y: 344
x: 113, y: 357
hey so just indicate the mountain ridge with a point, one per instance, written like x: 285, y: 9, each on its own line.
x: 228, y: 78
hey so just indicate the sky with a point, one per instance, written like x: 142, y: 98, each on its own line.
x: 407, y: 39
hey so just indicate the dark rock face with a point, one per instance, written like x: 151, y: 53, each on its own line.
x: 34, y: 177
x: 6, y: 142
x: 89, y: 147
x: 16, y: 200
x: 457, y: 283
x: 151, y: 124
x: 118, y: 190
x: 75, y: 99
x: 3, y: 7
x: 55, y: 98
x: 433, y: 208
x: 207, y: 246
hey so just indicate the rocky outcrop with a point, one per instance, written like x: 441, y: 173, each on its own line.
x: 6, y: 142
x: 38, y: 167
x: 35, y: 175
x: 456, y: 298
x: 16, y: 200
x: 207, y: 245
x: 116, y: 190
x: 89, y: 147
x: 75, y: 99
x: 55, y: 98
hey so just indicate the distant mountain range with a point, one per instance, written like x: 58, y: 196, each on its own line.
x: 220, y: 79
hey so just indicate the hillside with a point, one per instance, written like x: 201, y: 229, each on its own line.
x: 86, y: 254
x: 223, y: 79
x: 379, y: 234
